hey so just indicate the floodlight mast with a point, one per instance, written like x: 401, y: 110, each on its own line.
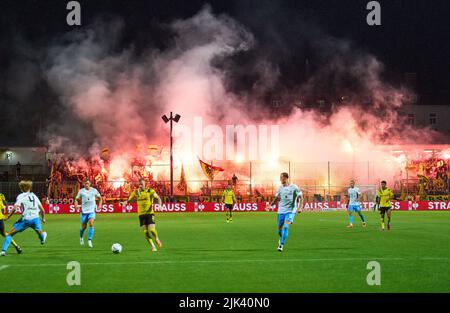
x: 171, y: 119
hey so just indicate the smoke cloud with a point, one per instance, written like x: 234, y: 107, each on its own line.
x: 114, y: 97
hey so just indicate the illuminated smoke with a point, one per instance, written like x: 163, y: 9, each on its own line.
x: 114, y: 98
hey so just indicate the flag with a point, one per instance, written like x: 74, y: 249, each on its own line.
x: 182, y: 186
x: 98, y: 177
x: 209, y: 170
x: 51, y: 180
x: 104, y: 155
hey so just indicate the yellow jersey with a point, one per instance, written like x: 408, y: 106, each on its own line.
x: 385, y: 197
x: 144, y: 200
x: 2, y: 206
x: 228, y: 196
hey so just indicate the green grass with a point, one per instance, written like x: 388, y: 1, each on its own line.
x: 202, y: 253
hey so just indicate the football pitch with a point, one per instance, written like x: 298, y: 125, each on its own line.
x: 203, y: 253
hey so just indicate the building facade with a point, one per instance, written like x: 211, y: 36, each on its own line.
x: 437, y: 117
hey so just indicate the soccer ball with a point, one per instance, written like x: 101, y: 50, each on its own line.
x: 116, y: 248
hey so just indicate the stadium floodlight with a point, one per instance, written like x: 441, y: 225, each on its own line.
x: 171, y: 119
x: 8, y: 155
x: 165, y: 119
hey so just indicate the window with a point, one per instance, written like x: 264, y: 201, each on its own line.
x: 411, y: 119
x: 433, y: 117
x: 321, y: 102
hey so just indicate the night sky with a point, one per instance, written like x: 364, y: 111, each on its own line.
x: 414, y: 37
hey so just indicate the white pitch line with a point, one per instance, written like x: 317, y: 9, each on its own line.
x: 229, y: 261
x: 3, y: 267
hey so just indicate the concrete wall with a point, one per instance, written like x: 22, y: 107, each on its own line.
x: 32, y: 159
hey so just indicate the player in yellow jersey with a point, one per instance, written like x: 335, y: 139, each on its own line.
x: 229, y: 199
x: 384, y: 197
x: 2, y: 223
x: 144, y: 198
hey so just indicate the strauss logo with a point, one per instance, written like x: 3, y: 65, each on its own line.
x: 412, y: 205
x: 54, y: 209
x: 199, y: 207
x: 270, y: 208
x: 127, y: 208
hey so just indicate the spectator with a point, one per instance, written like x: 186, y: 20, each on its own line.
x: 18, y: 166
x: 234, y: 179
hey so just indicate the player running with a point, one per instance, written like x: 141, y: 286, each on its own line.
x: 31, y: 207
x: 144, y: 198
x: 384, y: 197
x: 88, y: 196
x: 291, y: 200
x: 229, y: 199
x: 353, y: 204
x: 2, y: 223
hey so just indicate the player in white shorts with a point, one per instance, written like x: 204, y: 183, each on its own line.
x: 88, y: 196
x: 31, y: 207
x: 353, y: 204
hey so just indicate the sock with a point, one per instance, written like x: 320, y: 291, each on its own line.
x: 382, y: 222
x: 350, y: 218
x: 6, y: 242
x: 149, y: 239
x: 90, y: 233
x: 41, y: 236
x: 284, y: 234
x: 280, y: 231
x: 231, y: 215
x: 154, y: 233
x: 362, y: 217
x: 82, y: 232
x: 228, y: 215
x: 14, y: 243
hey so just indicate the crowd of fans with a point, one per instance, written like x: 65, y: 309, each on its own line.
x: 67, y: 175
x: 429, y: 176
x: 425, y: 177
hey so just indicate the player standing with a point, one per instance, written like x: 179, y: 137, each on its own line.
x: 144, y: 198
x: 88, y: 196
x: 2, y: 223
x: 31, y: 207
x: 290, y: 200
x: 229, y: 199
x: 384, y: 197
x: 353, y: 204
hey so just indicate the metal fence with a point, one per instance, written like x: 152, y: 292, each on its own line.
x: 11, y: 189
x: 33, y: 172
x: 320, y: 181
x: 207, y: 191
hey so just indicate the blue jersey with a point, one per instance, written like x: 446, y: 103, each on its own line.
x: 288, y: 196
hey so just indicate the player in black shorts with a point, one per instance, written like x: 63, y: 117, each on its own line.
x: 145, y: 197
x: 229, y: 199
x: 2, y: 222
x: 384, y: 197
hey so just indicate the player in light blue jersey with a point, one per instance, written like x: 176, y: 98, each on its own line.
x: 88, y: 196
x: 353, y: 204
x: 31, y: 206
x: 290, y: 202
